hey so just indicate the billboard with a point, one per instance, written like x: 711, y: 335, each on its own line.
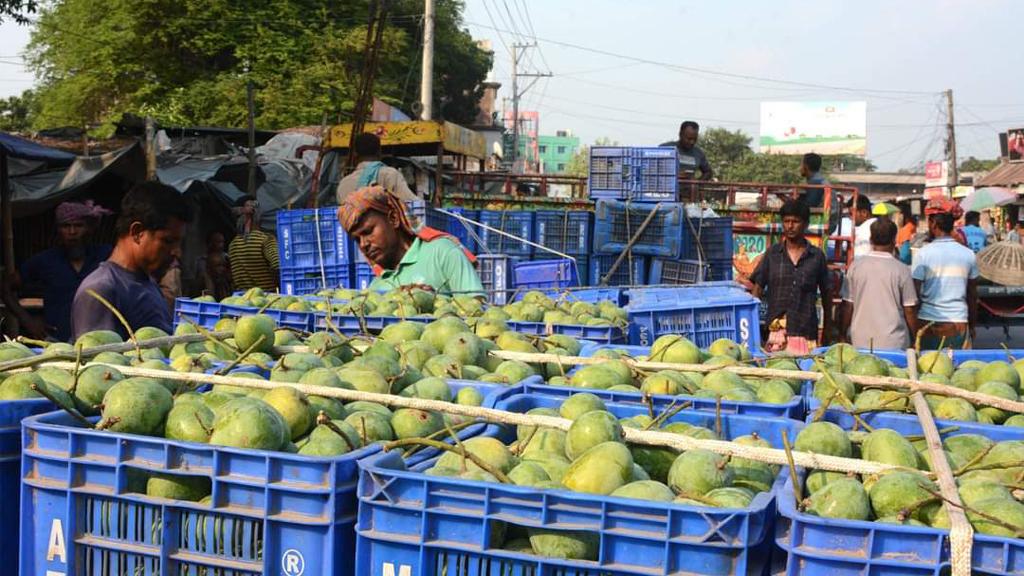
x: 824, y: 127
x: 1015, y: 145
x: 936, y: 174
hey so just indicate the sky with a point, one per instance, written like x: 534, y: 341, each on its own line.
x: 632, y: 70
x: 665, y: 61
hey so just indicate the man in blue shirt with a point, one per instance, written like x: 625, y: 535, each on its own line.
x: 55, y: 273
x: 149, y: 232
x: 974, y: 234
x: 810, y: 169
x: 946, y: 278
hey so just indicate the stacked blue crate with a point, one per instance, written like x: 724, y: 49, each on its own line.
x: 515, y: 223
x: 706, y: 255
x: 632, y: 173
x: 314, y: 251
x: 464, y: 231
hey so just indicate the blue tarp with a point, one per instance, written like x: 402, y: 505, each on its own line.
x: 23, y: 149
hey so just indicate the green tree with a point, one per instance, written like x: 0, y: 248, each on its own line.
x: 972, y: 164
x: 188, y: 61
x: 16, y: 112
x: 847, y: 163
x: 17, y: 10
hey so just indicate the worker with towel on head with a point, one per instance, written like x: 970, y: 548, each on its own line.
x: 56, y: 273
x: 400, y: 255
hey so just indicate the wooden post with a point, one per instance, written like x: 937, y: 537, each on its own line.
x: 150, y: 149
x: 961, y: 535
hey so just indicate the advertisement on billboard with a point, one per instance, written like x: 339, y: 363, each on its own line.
x: 824, y: 127
x: 936, y: 173
x: 1015, y: 145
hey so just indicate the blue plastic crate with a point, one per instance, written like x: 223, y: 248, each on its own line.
x: 708, y: 239
x: 665, y: 271
x: 615, y: 223
x: 206, y: 314
x: 721, y: 270
x: 794, y: 409
x: 464, y: 231
x: 703, y: 322
x: 592, y: 295
x: 599, y: 334
x: 706, y: 291
x: 899, y: 357
x: 624, y: 275
x: 516, y: 223
x: 419, y: 525
x: 298, y: 242
x: 352, y: 325
x: 12, y: 412
x: 363, y: 276
x: 815, y: 545
x: 272, y: 512
x: 497, y: 275
x: 566, y: 231
x: 300, y: 281
x: 540, y: 274
x: 634, y: 173
x: 427, y: 215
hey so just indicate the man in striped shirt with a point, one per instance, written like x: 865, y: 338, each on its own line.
x: 253, y: 252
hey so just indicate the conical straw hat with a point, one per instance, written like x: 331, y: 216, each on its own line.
x: 1003, y: 263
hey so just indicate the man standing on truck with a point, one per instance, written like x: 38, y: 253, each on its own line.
x: 791, y: 275
x: 945, y: 274
x: 370, y: 170
x: 691, y: 157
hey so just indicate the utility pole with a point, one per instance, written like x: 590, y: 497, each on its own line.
x: 150, y: 148
x: 954, y: 172
x: 427, y: 79
x: 517, y: 52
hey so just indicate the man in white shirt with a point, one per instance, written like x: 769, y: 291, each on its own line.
x: 863, y: 220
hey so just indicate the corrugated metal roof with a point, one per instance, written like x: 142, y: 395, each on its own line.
x: 1007, y: 174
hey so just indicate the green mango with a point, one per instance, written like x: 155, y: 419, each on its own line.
x: 600, y: 470
x: 696, y: 472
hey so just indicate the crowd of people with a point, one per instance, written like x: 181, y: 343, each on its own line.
x: 901, y: 287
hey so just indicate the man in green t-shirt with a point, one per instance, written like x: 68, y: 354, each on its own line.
x: 401, y: 256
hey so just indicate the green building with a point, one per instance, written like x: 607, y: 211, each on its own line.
x: 554, y: 152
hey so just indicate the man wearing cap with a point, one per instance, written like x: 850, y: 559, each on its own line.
x: 946, y: 278
x: 376, y: 220
x: 57, y: 272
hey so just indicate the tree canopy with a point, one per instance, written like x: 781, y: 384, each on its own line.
x: 187, y: 62
x: 17, y: 10
x: 972, y: 164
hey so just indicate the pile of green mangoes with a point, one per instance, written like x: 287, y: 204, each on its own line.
x: 410, y: 302
x: 592, y: 458
x: 409, y: 358
x: 616, y: 375
x: 987, y: 474
x: 996, y: 378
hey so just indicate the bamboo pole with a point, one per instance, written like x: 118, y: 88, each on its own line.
x: 118, y: 348
x: 961, y: 534
x: 870, y: 381
x: 635, y: 436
